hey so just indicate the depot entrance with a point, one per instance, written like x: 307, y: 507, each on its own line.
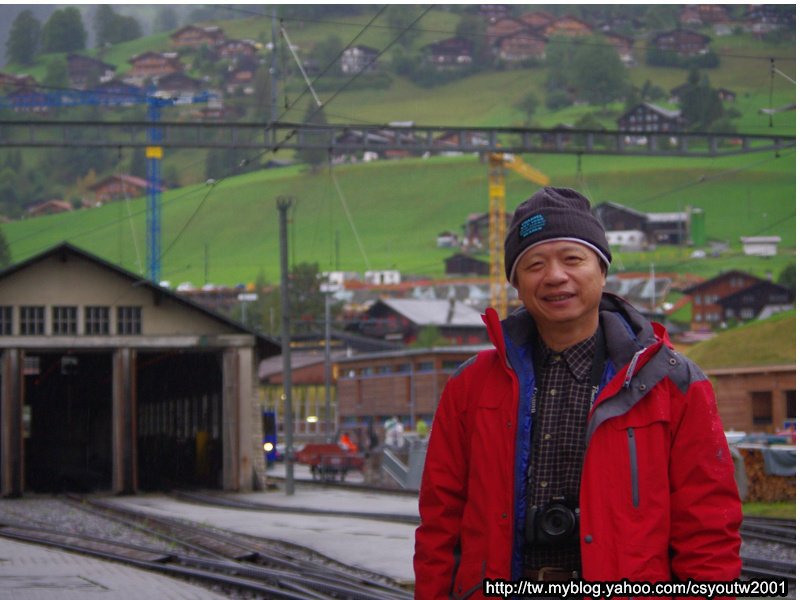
x: 179, y: 415
x: 67, y: 421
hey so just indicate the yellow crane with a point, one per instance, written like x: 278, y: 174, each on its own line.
x: 498, y: 163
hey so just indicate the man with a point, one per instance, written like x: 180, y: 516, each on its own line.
x: 582, y: 445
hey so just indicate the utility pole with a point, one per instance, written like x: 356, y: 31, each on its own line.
x: 329, y: 433
x: 273, y: 88
x: 284, y: 202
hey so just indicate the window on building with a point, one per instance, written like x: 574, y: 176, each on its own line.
x: 425, y: 366
x: 762, y: 407
x: 791, y: 406
x: 129, y: 320
x: 31, y: 320
x: 747, y: 313
x: 450, y: 365
x: 96, y: 320
x: 6, y: 320
x: 65, y: 320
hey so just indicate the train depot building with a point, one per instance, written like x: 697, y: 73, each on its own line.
x: 111, y: 382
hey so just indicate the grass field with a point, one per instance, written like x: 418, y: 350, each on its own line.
x: 397, y: 208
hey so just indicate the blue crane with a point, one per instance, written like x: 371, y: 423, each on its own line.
x: 33, y: 99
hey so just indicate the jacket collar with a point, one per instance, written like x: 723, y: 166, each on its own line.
x: 625, y: 329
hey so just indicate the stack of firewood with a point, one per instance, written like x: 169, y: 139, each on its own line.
x: 762, y: 487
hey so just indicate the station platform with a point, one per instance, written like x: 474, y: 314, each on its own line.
x: 31, y: 572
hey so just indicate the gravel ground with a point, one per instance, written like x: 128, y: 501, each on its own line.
x: 51, y: 512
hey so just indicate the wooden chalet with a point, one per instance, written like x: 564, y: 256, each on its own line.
x: 623, y: 46
x: 154, y: 64
x: 9, y: 82
x: 647, y: 117
x: 465, y: 264
x: 756, y: 399
x: 177, y: 85
x: 707, y: 313
x: 450, y: 53
x: 494, y: 12
x: 29, y: 100
x: 237, y: 49
x: 118, y: 187
x: 504, y: 27
x: 85, y: 71
x: 193, y: 36
x: 537, y: 19
x: 240, y: 79
x: 49, y: 207
x: 358, y: 59
x: 758, y: 301
x: 119, y: 93
x: 522, y: 45
x: 682, y: 41
x: 568, y: 26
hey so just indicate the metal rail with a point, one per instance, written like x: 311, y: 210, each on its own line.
x: 413, y: 140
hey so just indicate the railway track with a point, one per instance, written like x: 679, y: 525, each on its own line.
x: 235, y: 563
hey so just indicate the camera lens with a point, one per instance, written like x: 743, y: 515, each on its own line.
x: 558, y: 521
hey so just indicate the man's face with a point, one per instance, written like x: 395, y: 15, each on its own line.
x: 561, y: 283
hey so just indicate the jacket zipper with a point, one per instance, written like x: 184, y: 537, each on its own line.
x: 634, y: 467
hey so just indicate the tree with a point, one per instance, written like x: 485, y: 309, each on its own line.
x: 166, y: 20
x: 56, y: 74
x: 399, y: 17
x: 787, y: 277
x: 326, y: 50
x: 23, y: 39
x: 597, y: 73
x: 700, y: 104
x: 528, y: 104
x: 111, y: 28
x: 262, y: 94
x: 5, y: 251
x: 64, y: 31
x: 473, y: 29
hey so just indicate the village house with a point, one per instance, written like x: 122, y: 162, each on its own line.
x: 237, y: 49
x: 567, y: 26
x: 446, y: 239
x: 117, y: 187
x: 756, y: 399
x: 707, y: 313
x: 646, y: 117
x: 9, y: 82
x: 761, y: 245
x: 357, y: 59
x: 406, y: 384
x: 494, y: 12
x: 118, y: 93
x: 521, y: 45
x: 450, y: 53
x: 240, y: 79
x: 400, y: 319
x: 193, y: 36
x: 682, y: 41
x: 537, y: 20
x: 84, y: 71
x: 759, y: 301
x: 476, y: 230
x: 465, y: 264
x: 152, y: 64
x: 623, y: 46
x: 504, y: 27
x: 629, y: 227
x: 49, y: 207
x: 177, y: 85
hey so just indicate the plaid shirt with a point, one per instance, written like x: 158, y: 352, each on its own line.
x: 563, y: 395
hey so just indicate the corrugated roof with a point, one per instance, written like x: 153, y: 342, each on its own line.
x: 436, y: 312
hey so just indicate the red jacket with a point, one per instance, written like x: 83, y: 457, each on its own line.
x: 658, y: 499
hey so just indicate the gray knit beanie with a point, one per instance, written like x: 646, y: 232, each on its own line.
x: 553, y: 214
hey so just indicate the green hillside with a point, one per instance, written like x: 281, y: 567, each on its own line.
x: 769, y: 342
x: 399, y: 207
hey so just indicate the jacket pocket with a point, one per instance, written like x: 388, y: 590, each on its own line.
x: 634, y: 462
x: 469, y: 579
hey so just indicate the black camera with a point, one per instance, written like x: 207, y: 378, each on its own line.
x: 555, y: 523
